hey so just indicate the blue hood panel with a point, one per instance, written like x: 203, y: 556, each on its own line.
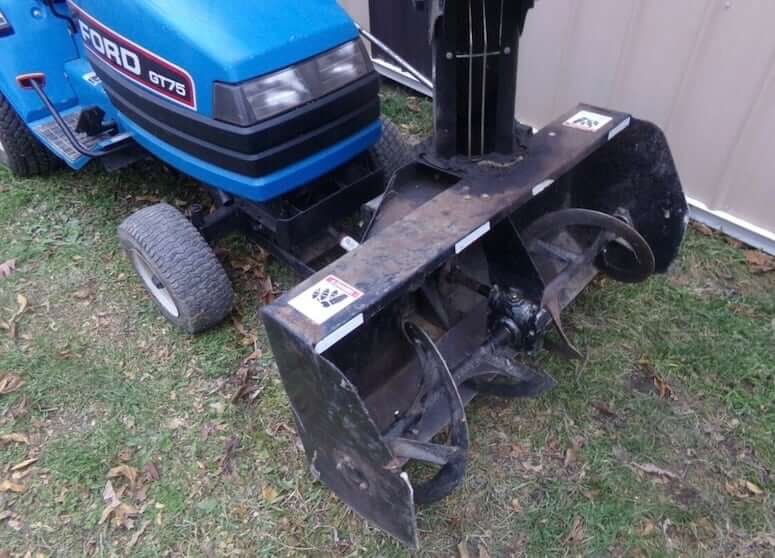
x: 226, y: 40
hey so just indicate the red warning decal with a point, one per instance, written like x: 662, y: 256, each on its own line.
x: 135, y: 62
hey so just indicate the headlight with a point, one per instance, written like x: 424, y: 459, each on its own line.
x: 274, y: 94
x: 341, y: 66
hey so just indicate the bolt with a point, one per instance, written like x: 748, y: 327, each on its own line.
x: 363, y: 485
x: 37, y: 13
x: 450, y: 56
x: 507, y: 51
x: 485, y: 196
x: 552, y: 134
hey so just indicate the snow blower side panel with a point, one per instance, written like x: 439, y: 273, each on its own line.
x: 343, y: 445
x: 637, y: 173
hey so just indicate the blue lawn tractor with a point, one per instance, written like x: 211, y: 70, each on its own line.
x: 426, y: 271
x: 273, y: 106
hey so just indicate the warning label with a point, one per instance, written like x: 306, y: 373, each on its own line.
x: 325, y: 299
x: 587, y: 121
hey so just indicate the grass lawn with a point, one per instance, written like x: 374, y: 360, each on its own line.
x: 660, y: 443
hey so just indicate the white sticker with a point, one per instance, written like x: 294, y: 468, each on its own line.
x: 92, y: 78
x: 337, y: 335
x: 472, y: 237
x: 538, y: 188
x: 587, y: 121
x: 325, y: 299
x: 348, y: 243
x: 619, y: 129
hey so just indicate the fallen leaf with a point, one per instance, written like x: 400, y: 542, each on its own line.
x: 7, y: 268
x: 151, y: 472
x: 647, y: 529
x: 21, y: 300
x: 570, y: 457
x: 24, y: 464
x: 532, y: 468
x: 137, y: 535
x: 652, y: 469
x: 148, y: 198
x: 267, y: 290
x: 753, y: 489
x: 462, y: 549
x: 10, y: 486
x: 269, y: 493
x: 515, y: 505
x: 14, y: 437
x: 248, y: 339
x: 81, y: 294
x: 10, y: 383
x: 175, y: 423
x: 663, y: 388
x: 106, y: 513
x: 576, y: 533
x: 230, y: 448
x: 125, y: 455
x: 702, y: 228
x: 743, y: 488
x: 109, y: 495
x: 124, y: 516
x: 759, y: 262
x: 604, y: 409
x: 129, y: 473
x: 20, y: 409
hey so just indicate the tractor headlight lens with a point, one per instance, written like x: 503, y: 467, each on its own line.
x: 274, y: 94
x: 342, y: 65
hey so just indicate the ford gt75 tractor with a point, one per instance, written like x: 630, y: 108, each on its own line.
x: 425, y: 272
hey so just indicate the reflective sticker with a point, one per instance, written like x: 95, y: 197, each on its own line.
x: 348, y: 243
x: 340, y: 333
x: 619, y: 129
x: 587, y: 121
x: 472, y: 237
x: 537, y: 189
x: 325, y: 299
x: 92, y: 78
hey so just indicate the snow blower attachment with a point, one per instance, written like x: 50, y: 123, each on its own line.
x: 468, y: 258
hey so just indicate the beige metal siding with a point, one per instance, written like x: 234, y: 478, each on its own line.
x: 704, y: 70
x: 358, y: 9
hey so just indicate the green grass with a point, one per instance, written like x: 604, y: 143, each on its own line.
x: 107, y: 381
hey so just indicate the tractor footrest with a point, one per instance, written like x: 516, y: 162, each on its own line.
x: 52, y: 133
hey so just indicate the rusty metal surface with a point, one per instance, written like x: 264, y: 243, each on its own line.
x: 401, y: 256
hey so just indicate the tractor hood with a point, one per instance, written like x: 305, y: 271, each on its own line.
x: 217, y: 40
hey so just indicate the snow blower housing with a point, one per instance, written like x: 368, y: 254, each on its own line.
x: 466, y: 260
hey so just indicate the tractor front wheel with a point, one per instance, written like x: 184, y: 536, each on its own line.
x: 177, y: 267
x: 392, y: 151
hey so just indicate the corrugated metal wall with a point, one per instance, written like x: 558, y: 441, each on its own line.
x: 704, y: 70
